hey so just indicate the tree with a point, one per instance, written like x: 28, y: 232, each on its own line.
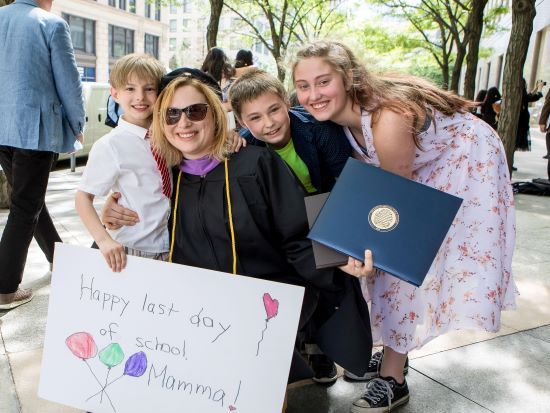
x: 474, y: 27
x: 287, y: 21
x: 523, y: 13
x: 216, y: 7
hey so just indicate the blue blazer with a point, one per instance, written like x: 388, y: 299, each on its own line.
x: 41, y: 106
x: 322, y: 146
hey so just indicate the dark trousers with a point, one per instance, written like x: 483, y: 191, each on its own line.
x: 548, y: 153
x: 27, y: 172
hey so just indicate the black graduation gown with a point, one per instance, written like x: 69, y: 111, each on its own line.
x: 270, y: 227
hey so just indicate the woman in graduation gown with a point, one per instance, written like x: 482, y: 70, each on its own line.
x: 244, y: 213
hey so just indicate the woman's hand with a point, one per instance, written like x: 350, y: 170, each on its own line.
x: 235, y: 142
x: 114, y: 254
x: 114, y: 216
x: 357, y: 268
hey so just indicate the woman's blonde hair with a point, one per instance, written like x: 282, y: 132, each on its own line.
x: 173, y: 156
x: 400, y: 93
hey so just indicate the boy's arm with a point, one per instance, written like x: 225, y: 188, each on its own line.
x: 112, y: 251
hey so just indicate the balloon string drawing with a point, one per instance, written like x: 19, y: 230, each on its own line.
x: 83, y: 346
x: 271, y: 309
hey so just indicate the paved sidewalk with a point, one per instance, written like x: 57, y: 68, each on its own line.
x: 465, y: 371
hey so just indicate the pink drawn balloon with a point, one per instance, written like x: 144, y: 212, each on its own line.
x: 271, y: 306
x: 82, y: 345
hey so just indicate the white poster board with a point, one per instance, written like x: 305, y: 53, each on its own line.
x: 162, y: 337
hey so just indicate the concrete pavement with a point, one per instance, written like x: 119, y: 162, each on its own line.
x: 466, y: 371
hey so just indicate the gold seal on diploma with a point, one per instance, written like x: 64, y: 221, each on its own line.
x: 383, y: 218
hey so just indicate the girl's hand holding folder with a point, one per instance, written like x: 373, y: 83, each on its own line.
x: 357, y: 268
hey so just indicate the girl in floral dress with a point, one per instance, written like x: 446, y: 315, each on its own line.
x: 408, y: 126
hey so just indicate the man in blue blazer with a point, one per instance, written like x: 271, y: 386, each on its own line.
x: 41, y: 112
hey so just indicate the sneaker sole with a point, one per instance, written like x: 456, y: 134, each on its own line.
x: 325, y: 380
x: 15, y: 304
x: 367, y: 376
x: 385, y: 409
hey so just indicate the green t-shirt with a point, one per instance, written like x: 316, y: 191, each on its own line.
x: 289, y: 155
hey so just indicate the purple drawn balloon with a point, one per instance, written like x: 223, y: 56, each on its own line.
x: 136, y: 365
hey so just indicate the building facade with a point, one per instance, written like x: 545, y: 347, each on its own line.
x: 537, y: 65
x: 104, y: 30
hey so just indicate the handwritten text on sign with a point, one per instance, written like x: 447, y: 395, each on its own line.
x: 165, y: 337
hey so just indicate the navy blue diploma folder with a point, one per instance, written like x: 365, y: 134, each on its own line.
x: 401, y: 221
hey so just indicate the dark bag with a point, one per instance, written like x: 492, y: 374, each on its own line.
x: 537, y: 187
x: 112, y: 113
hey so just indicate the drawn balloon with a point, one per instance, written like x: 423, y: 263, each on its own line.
x: 82, y: 345
x: 136, y: 365
x: 112, y: 355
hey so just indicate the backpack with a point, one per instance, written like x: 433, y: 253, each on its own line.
x: 113, y: 112
x: 537, y: 187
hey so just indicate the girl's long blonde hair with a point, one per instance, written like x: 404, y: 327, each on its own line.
x: 218, y: 150
x: 400, y: 93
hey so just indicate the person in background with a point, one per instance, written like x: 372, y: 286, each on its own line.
x: 243, y: 62
x: 42, y: 114
x: 490, y: 103
x: 544, y: 126
x: 217, y: 64
x: 408, y: 126
x: 479, y: 101
x: 523, y: 137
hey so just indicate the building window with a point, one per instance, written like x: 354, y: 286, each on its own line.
x: 87, y: 74
x: 185, y: 6
x: 157, y: 10
x: 82, y: 33
x: 185, y: 23
x: 132, y: 6
x: 172, y: 44
x: 152, y: 45
x: 173, y: 25
x: 147, y: 9
x: 173, y: 7
x: 122, y: 4
x: 112, y: 3
x: 121, y: 41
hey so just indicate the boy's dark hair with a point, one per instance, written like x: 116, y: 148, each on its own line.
x: 243, y: 58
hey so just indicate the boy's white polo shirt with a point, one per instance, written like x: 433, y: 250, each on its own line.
x: 122, y: 161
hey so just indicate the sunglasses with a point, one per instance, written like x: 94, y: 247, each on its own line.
x: 194, y: 113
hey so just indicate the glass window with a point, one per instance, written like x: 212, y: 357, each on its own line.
x: 121, y: 41
x: 185, y: 23
x: 132, y: 6
x: 147, y: 9
x: 152, y: 45
x: 172, y: 44
x: 82, y: 33
x: 157, y: 10
x: 122, y: 4
x: 173, y: 7
x: 185, y: 6
x: 87, y: 74
x: 173, y: 25
x: 112, y: 3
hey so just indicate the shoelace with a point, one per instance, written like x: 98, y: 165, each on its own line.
x: 376, y: 390
x: 375, y: 359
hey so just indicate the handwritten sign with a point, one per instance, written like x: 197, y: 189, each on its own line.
x: 162, y: 337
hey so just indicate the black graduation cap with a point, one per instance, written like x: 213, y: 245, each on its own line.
x: 201, y: 76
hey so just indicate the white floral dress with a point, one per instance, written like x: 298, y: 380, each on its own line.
x: 470, y: 280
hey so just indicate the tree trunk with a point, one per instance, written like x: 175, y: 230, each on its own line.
x: 474, y: 26
x: 216, y: 7
x: 457, y: 68
x: 523, y: 13
x: 445, y: 74
x: 281, y: 68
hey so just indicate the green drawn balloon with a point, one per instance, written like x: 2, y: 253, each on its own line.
x: 111, y: 355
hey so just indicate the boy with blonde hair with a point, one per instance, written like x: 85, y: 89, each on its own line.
x: 123, y: 161
x: 315, y: 151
